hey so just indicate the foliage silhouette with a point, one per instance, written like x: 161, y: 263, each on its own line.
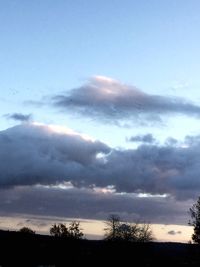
x: 61, y: 230
x: 26, y: 230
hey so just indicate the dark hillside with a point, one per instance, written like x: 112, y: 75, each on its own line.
x: 19, y: 249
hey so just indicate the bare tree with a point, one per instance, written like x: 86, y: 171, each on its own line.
x: 134, y: 232
x: 113, y: 223
x: 128, y: 232
x: 145, y: 234
x: 195, y: 221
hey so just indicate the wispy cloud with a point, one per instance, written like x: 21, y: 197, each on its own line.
x: 173, y: 232
x: 146, y: 138
x: 19, y: 117
x: 109, y: 100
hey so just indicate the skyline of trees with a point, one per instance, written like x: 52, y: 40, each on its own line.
x: 115, y: 230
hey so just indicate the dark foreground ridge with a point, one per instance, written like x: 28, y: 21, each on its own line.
x: 19, y: 249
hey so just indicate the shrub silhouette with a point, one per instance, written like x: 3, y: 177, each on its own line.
x: 26, y: 230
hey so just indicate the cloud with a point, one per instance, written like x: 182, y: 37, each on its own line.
x: 147, y: 138
x: 87, y: 203
x: 172, y: 232
x: 170, y: 141
x: 54, y: 171
x: 46, y: 154
x: 109, y: 100
x: 19, y: 117
x: 43, y: 154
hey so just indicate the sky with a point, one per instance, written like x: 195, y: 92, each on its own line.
x: 100, y: 111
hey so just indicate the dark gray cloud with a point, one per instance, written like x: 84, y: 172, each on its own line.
x: 147, y: 138
x: 173, y: 232
x: 53, y: 171
x: 19, y: 117
x: 40, y: 154
x: 109, y: 100
x: 37, y: 154
x: 88, y: 203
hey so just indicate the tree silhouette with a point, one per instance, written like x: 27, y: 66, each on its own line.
x: 74, y: 230
x: 128, y: 232
x: 145, y: 234
x: 26, y: 230
x: 134, y: 232
x: 113, y: 223
x: 61, y: 230
x: 195, y: 221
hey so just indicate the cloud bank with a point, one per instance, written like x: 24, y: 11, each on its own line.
x: 87, y: 203
x: 54, y: 171
x: 109, y: 100
x: 39, y: 154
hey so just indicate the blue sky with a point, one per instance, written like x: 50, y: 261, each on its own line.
x: 147, y: 43
x: 47, y: 48
x: 117, y: 54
